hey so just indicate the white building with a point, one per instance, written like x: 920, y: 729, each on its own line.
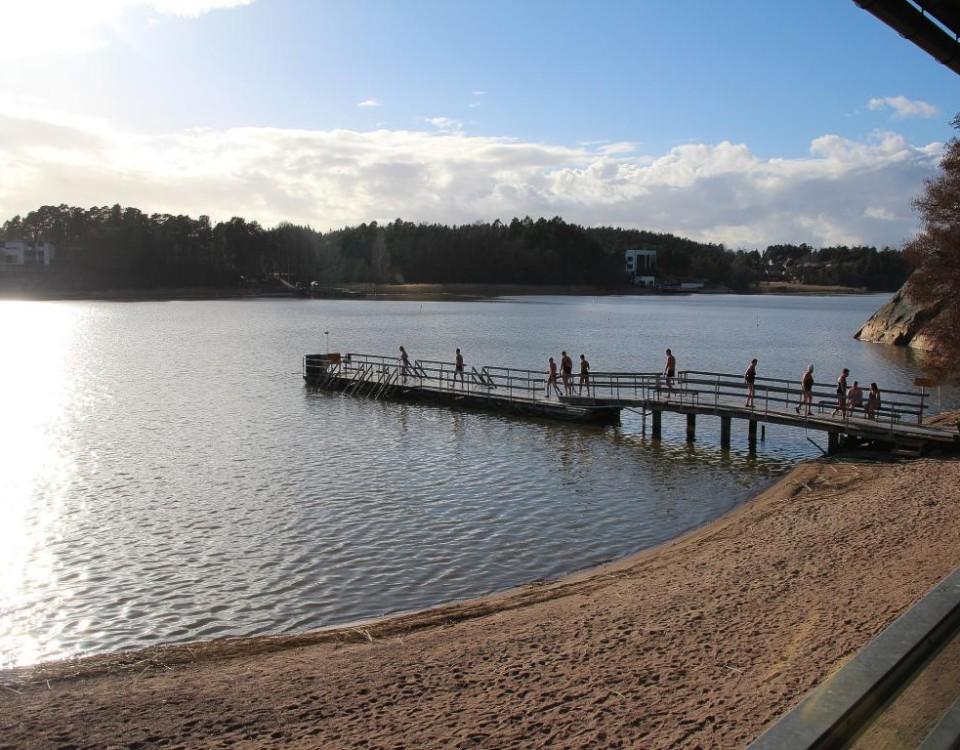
x: 23, y: 253
x: 641, y: 266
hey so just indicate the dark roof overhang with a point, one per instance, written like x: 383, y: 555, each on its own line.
x: 933, y: 25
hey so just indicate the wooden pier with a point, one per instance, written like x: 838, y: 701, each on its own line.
x: 898, y: 424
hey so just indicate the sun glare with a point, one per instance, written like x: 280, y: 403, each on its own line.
x: 35, y: 341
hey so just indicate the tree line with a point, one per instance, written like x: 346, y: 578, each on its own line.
x: 117, y: 247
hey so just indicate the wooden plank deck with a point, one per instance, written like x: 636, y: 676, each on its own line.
x: 489, y: 399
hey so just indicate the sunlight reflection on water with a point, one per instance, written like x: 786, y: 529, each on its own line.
x: 34, y: 394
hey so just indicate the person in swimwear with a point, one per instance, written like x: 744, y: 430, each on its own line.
x: 552, y: 378
x: 842, y: 394
x: 458, y: 371
x: 806, y: 390
x: 854, y: 398
x: 404, y: 364
x: 670, y: 371
x: 566, y: 372
x: 584, y: 374
x: 750, y: 377
x: 873, y: 401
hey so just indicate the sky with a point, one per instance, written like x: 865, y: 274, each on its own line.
x: 744, y: 122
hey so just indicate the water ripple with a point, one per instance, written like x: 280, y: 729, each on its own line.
x: 190, y: 487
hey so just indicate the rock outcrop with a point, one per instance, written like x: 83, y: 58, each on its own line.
x: 902, y: 322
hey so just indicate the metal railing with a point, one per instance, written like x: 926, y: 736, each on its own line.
x: 374, y: 374
x: 771, y: 393
x: 504, y: 381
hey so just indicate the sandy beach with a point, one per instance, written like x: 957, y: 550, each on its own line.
x: 699, y: 642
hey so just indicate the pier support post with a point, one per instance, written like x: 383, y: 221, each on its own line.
x: 691, y: 427
x: 725, y: 432
x: 833, y: 442
x: 752, y: 436
x: 655, y: 430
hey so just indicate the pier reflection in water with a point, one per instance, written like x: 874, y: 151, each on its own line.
x: 166, y: 476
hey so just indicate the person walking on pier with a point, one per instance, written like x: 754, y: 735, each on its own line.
x: 670, y: 371
x: 873, y: 401
x: 584, y: 374
x: 566, y: 371
x: 458, y: 371
x: 842, y: 394
x: 552, y: 378
x: 750, y: 377
x: 806, y: 391
x: 854, y: 398
x: 404, y: 364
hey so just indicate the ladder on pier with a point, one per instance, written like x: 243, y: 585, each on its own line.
x: 360, y: 378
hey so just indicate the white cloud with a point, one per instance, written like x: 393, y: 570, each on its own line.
x: 479, y: 93
x: 35, y: 28
x: 369, y: 103
x: 903, y: 107
x: 878, y: 212
x: 621, y: 147
x: 192, y: 8
x: 844, y: 191
x: 444, y: 123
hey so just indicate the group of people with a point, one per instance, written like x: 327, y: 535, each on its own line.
x: 566, y: 375
x: 849, y: 398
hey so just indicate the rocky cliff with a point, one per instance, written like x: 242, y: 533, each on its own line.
x: 902, y: 322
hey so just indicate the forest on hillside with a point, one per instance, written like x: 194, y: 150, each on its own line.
x: 113, y: 247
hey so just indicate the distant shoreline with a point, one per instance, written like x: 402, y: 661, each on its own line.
x: 422, y: 292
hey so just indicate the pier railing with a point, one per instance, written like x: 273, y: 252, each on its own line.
x: 510, y: 381
x: 372, y: 374
x: 778, y: 394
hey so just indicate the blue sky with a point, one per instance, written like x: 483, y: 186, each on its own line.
x: 742, y: 122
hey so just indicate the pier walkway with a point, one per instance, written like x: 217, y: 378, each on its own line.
x: 693, y: 393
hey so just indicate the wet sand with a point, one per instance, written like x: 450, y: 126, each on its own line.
x: 699, y: 642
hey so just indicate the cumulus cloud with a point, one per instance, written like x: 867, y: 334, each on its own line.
x: 35, y: 28
x: 444, y: 123
x: 843, y: 191
x: 903, y: 107
x: 369, y: 103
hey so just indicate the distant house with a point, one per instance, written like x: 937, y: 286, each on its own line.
x: 24, y: 253
x: 641, y: 266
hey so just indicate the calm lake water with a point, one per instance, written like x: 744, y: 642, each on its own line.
x: 166, y: 476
